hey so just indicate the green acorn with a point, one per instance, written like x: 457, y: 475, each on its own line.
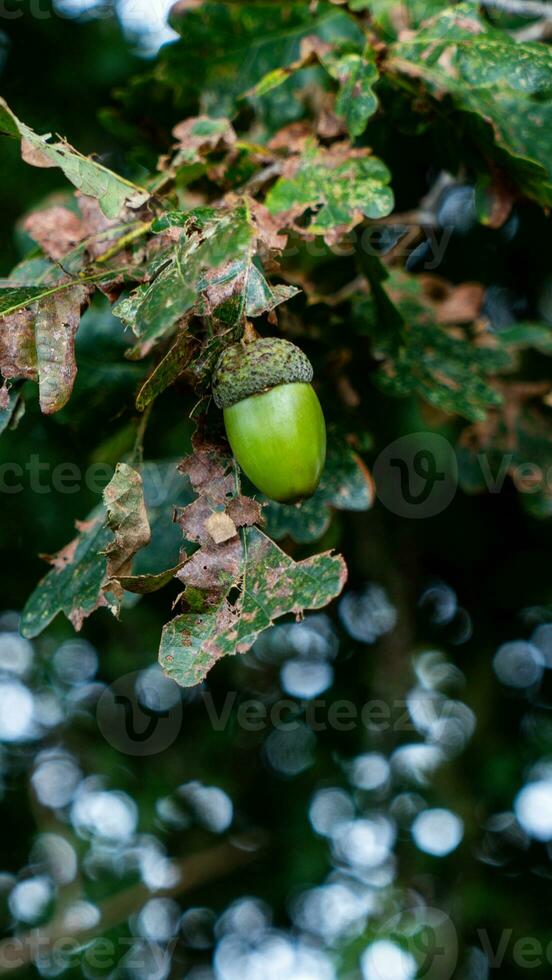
x: 273, y: 419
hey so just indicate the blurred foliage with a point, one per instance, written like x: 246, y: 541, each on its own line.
x: 380, y: 772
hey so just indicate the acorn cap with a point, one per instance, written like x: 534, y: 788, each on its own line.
x: 248, y: 369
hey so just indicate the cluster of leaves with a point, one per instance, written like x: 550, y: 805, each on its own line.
x: 274, y: 150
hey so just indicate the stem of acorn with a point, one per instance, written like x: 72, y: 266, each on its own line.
x: 250, y: 335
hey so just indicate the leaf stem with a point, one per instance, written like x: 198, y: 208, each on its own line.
x: 121, y: 243
x: 59, y: 287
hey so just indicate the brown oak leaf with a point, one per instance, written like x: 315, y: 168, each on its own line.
x: 57, y: 230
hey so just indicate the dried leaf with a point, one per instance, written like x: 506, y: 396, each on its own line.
x: 199, y: 136
x: 17, y: 346
x: 127, y: 518
x: 57, y: 230
x: 270, y: 583
x: 220, y: 527
x: 56, y: 322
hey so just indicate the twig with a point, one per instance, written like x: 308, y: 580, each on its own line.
x: 121, y: 243
x: 138, y: 451
x: 196, y: 870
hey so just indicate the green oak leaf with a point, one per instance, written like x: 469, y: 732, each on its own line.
x: 354, y: 69
x: 79, y: 582
x: 425, y: 359
x: 448, y: 372
x: 225, y: 54
x: 495, y: 79
x: 90, y: 177
x: 271, y: 585
x: 357, y: 75
x: 340, y: 185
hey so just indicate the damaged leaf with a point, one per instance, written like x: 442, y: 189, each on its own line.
x: 153, y: 311
x: 112, y: 191
x: 80, y: 580
x: 340, y: 186
x: 495, y: 78
x: 74, y: 586
x: 57, y: 230
x: 128, y: 520
x: 56, y: 322
x: 17, y: 346
x: 357, y: 75
x: 269, y: 583
x: 199, y: 136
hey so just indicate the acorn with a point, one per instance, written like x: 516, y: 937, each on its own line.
x: 273, y: 419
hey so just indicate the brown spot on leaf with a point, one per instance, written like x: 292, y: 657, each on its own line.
x: 64, y: 557
x: 220, y: 527
x: 34, y: 156
x: 244, y: 511
x: 268, y: 227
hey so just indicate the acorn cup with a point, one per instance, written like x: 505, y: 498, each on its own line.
x: 273, y: 419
